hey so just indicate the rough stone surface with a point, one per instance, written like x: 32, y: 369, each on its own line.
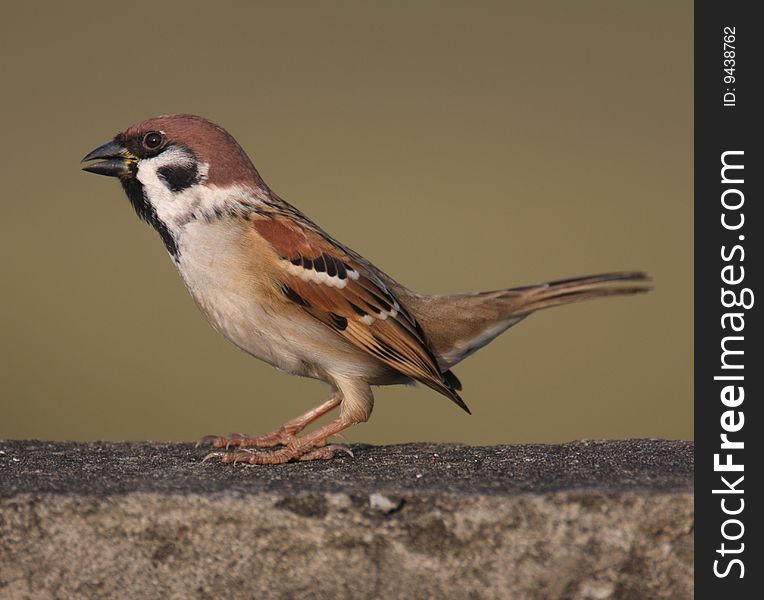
x: 590, y: 520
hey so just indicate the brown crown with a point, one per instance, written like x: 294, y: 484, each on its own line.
x: 228, y: 163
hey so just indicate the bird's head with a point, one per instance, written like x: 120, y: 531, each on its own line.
x: 176, y: 168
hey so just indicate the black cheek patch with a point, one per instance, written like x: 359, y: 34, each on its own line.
x: 179, y: 177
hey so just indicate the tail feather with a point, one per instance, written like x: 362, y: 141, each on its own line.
x: 459, y: 325
x: 567, y: 291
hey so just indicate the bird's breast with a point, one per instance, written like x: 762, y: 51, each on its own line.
x: 229, y: 273
x: 220, y: 269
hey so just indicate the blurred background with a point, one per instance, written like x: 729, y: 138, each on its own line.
x: 508, y: 142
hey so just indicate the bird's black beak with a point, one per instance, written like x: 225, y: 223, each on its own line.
x: 112, y: 159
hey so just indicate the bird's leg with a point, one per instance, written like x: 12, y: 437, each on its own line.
x: 357, y: 402
x: 282, y: 436
x: 309, y: 447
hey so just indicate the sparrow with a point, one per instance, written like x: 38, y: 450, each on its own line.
x: 282, y: 289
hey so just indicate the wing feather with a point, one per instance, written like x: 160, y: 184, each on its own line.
x: 343, y: 291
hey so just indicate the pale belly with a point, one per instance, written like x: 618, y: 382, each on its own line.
x: 239, y: 302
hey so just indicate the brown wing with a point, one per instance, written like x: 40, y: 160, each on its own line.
x: 342, y: 291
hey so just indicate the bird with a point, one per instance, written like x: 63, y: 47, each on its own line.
x: 283, y: 290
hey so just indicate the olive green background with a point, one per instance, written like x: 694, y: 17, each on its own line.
x: 460, y: 146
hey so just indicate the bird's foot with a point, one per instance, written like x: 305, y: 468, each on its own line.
x: 283, y: 455
x: 280, y: 437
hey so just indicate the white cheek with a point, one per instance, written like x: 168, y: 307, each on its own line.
x: 171, y: 207
x: 200, y: 201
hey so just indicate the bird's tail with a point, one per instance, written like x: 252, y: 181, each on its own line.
x: 459, y: 325
x: 566, y: 291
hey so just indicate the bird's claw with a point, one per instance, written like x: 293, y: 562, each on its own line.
x: 290, y: 453
x: 280, y: 437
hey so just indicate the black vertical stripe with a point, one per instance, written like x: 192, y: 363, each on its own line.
x: 146, y: 212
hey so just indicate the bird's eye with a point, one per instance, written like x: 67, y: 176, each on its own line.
x: 153, y: 140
